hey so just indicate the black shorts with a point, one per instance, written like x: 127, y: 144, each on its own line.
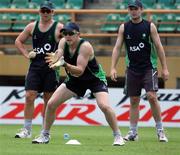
x: 41, y: 80
x: 135, y: 81
x: 80, y: 87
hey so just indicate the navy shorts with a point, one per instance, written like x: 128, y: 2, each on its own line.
x: 41, y: 80
x: 135, y: 81
x: 80, y: 87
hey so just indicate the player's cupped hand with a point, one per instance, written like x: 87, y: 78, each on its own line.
x: 51, y: 58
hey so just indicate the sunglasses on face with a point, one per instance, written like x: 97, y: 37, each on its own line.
x: 45, y: 11
x: 70, y: 33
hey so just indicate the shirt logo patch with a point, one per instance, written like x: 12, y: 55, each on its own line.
x: 144, y: 36
x: 35, y: 37
x: 128, y: 37
x: 49, y: 38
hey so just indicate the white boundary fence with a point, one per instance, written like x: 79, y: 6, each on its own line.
x: 86, y: 112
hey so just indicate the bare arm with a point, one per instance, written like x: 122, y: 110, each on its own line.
x: 57, y: 32
x: 86, y: 51
x: 21, y: 39
x: 60, y: 50
x: 160, y: 51
x: 115, y: 53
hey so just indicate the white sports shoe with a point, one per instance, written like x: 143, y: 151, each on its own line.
x: 131, y: 136
x: 41, y: 139
x: 118, y: 141
x: 23, y: 133
x: 161, y: 135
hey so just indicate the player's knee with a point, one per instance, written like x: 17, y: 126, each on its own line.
x: 30, y: 98
x: 104, y: 108
x: 135, y: 101
x: 51, y: 106
x: 152, y: 98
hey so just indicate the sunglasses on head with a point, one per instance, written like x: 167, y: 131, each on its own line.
x: 70, y: 33
x: 45, y: 11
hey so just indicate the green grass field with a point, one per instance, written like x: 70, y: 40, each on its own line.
x: 95, y: 140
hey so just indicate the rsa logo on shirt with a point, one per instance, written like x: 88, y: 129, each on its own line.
x: 137, y: 48
x: 41, y: 50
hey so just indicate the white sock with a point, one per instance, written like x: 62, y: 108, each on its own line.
x: 133, y: 128
x: 28, y: 124
x: 159, y: 125
x: 116, y: 133
x: 45, y: 132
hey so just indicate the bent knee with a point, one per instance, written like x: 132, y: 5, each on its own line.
x: 51, y: 105
x: 105, y: 108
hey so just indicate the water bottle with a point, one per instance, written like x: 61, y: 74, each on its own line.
x: 66, y: 136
